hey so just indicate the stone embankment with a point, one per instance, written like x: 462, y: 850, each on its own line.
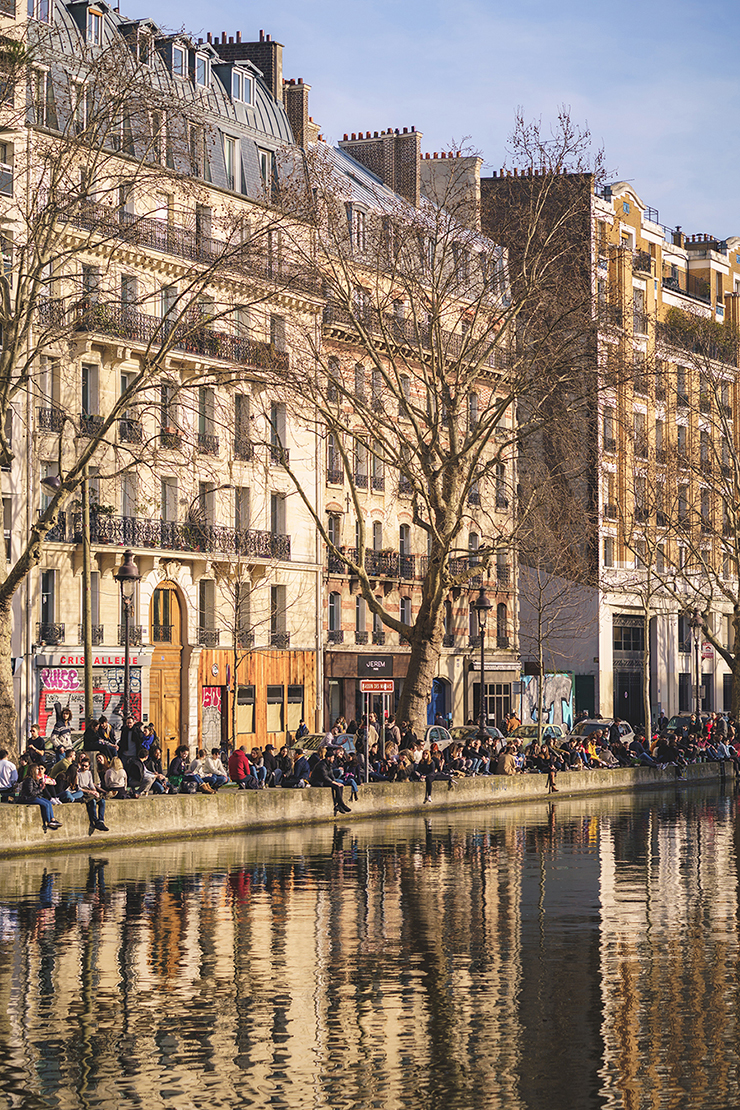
x: 180, y: 816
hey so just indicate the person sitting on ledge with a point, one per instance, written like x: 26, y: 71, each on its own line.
x: 240, y: 771
x: 323, y: 775
x: 8, y: 776
x: 93, y: 798
x: 32, y: 794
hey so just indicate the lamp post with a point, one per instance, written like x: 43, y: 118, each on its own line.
x: 127, y: 577
x: 482, y: 607
x: 696, y: 629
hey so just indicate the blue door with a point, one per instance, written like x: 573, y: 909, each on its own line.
x: 438, y: 704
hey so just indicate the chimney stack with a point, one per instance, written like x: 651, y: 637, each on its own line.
x: 295, y: 97
x: 394, y: 157
x: 265, y: 54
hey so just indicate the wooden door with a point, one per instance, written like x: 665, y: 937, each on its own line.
x: 165, y: 678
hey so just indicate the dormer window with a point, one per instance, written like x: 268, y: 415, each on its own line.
x: 94, y: 27
x: 242, y: 87
x: 144, y: 47
x: 202, y: 70
x: 178, y: 61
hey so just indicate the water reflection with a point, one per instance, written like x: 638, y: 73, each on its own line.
x: 574, y: 955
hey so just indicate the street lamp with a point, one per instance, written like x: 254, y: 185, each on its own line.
x: 127, y: 577
x: 482, y: 608
x: 697, y: 625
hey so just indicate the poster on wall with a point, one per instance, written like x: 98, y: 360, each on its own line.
x: 65, y: 686
x: 557, y: 706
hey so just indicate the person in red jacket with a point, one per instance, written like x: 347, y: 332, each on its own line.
x: 240, y: 771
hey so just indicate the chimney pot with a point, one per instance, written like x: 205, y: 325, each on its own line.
x: 223, y: 37
x: 238, y: 36
x: 208, y: 37
x: 346, y: 136
x: 435, y: 154
x: 413, y: 129
x: 268, y: 38
x: 353, y: 135
x: 458, y: 154
x: 231, y: 39
x: 494, y: 173
x: 200, y: 42
x: 262, y: 36
x: 367, y: 134
x: 300, y: 80
x: 375, y: 135
x: 405, y: 130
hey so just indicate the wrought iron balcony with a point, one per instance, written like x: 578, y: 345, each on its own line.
x: 51, y: 420
x: 171, y: 439
x: 610, y: 444
x: 208, y: 637
x: 379, y: 637
x: 448, y: 640
x: 135, y: 634
x: 90, y: 424
x: 474, y: 642
x: 361, y: 481
x: 186, y: 333
x: 335, y: 476
x: 406, y: 566
x: 245, y: 639
x: 50, y: 634
x: 502, y: 641
x: 129, y: 531
x: 170, y: 238
x: 280, y: 639
x: 382, y: 564
x: 378, y: 482
x: 207, y: 444
x: 405, y: 489
x: 360, y: 637
x: 97, y: 631
x: 162, y: 633
x: 335, y: 636
x: 58, y: 532
x: 279, y: 456
x: 642, y: 262
x: 130, y: 431
x: 243, y: 447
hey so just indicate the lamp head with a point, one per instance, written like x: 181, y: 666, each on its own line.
x: 482, y: 606
x: 128, y: 575
x: 52, y: 482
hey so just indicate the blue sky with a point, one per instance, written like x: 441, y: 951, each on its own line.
x: 654, y: 81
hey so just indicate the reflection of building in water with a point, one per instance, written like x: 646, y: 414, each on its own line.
x: 669, y: 949
x: 351, y: 972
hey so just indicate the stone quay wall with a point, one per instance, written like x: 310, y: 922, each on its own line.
x: 183, y: 816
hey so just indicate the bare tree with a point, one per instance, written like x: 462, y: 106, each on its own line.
x: 433, y: 365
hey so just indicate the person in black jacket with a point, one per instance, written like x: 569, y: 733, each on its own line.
x: 323, y: 775
x: 32, y: 793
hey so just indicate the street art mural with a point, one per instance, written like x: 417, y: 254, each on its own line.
x: 557, y: 705
x: 65, y: 686
x: 211, y: 719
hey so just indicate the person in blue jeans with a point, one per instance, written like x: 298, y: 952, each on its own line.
x: 94, y: 799
x: 32, y: 793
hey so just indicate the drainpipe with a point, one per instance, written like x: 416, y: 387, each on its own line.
x: 319, y: 578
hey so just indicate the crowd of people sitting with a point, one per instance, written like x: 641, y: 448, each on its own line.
x: 49, y: 775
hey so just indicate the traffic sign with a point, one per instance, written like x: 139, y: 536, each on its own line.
x: 376, y: 686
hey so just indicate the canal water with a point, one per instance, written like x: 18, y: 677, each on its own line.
x: 576, y: 954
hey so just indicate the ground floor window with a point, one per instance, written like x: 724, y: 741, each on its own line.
x: 245, y: 709
x: 497, y: 704
x: 684, y: 692
x: 727, y: 692
x: 295, y: 707
x: 275, y: 709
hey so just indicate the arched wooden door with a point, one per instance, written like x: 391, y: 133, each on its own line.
x: 165, y: 683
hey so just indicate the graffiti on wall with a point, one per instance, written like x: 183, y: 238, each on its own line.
x: 557, y: 705
x: 66, y: 686
x: 211, y: 717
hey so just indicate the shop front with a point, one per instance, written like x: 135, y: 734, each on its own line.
x: 60, y: 681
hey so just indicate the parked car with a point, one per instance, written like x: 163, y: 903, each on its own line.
x: 527, y: 734
x: 683, y: 720
x: 316, y: 740
x: 438, y: 735
x: 462, y: 733
x: 591, y: 725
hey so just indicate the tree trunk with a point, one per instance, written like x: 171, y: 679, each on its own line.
x: 8, y: 715
x: 646, y: 675
x: 417, y: 686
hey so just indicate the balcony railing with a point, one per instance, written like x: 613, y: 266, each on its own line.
x: 279, y: 456
x: 690, y: 286
x: 361, y: 481
x: 97, y: 634
x: 407, y: 566
x: 51, y: 634
x: 448, y: 640
x: 335, y: 636
x: 162, y: 633
x: 280, y: 639
x: 379, y: 637
x: 474, y: 642
x: 243, y: 447
x: 208, y: 637
x: 129, y: 531
x: 185, y: 333
x: 405, y: 488
x: 360, y: 637
x: 183, y: 242
x: 207, y: 444
x: 684, y: 647
x: 135, y: 634
x: 610, y: 511
x: 245, y: 639
x: 473, y: 497
x: 130, y: 431
x: 610, y: 445
x: 90, y: 424
x: 378, y: 481
x: 502, y: 641
x: 411, y: 333
x: 640, y: 323
x: 642, y: 262
x: 170, y: 439
x: 51, y: 420
x: 719, y: 348
x: 335, y: 476
x: 58, y: 532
